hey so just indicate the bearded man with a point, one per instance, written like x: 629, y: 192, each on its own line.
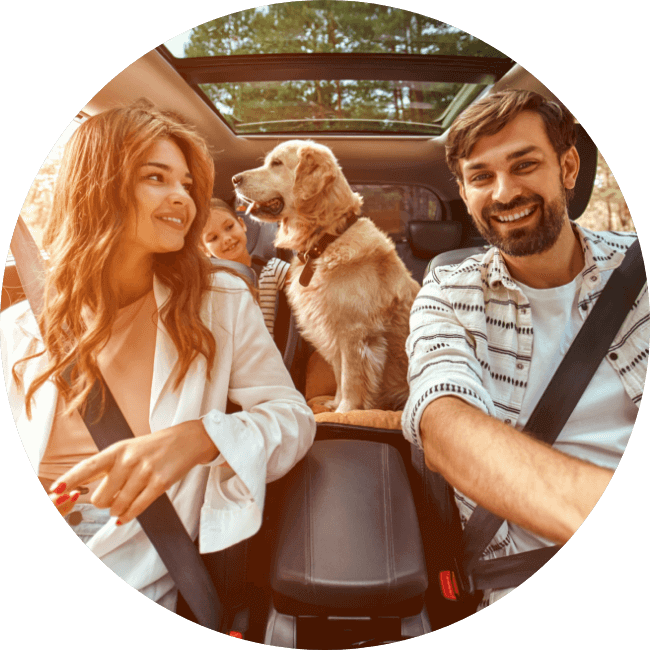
x: 488, y: 334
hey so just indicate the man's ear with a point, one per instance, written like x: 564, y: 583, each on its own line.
x: 570, y: 166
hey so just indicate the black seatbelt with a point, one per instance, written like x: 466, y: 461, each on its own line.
x: 549, y: 417
x: 159, y: 521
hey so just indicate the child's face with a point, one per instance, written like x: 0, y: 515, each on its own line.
x: 224, y: 237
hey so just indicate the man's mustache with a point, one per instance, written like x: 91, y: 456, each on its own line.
x: 518, y: 202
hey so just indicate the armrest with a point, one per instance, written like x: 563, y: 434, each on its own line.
x: 348, y: 535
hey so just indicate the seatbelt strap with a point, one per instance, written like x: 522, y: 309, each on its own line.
x: 159, y: 521
x: 549, y: 418
x: 239, y: 267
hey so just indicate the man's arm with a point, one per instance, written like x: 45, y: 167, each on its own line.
x: 508, y: 472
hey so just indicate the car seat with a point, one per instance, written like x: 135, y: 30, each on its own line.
x: 260, y: 237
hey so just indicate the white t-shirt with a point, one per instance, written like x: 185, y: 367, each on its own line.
x: 600, y: 426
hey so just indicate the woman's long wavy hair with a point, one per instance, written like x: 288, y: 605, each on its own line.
x: 94, y: 199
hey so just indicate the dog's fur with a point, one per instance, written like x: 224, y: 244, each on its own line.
x: 355, y: 310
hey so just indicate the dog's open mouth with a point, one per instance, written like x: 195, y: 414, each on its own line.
x: 272, y: 207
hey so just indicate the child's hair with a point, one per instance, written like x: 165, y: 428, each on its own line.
x: 218, y: 204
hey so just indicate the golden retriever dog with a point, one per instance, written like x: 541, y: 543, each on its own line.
x: 349, y: 290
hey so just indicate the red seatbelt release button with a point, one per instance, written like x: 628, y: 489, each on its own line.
x: 448, y: 585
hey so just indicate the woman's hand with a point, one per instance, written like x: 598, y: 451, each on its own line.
x: 137, y: 471
x: 63, y: 500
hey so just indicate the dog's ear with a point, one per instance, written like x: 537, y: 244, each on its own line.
x: 316, y: 171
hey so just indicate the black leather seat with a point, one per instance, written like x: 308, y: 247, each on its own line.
x: 348, y: 536
x: 348, y: 562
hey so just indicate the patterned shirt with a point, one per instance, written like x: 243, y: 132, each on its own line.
x: 472, y: 337
x: 271, y: 281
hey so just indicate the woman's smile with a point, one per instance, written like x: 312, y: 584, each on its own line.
x: 175, y: 220
x: 165, y: 208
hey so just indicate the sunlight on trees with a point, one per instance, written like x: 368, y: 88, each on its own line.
x: 607, y: 209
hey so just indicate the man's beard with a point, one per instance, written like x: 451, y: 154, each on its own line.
x: 527, y: 240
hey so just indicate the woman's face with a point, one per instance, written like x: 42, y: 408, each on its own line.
x: 224, y: 236
x: 164, y: 209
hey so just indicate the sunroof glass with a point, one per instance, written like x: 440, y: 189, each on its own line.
x: 406, y: 107
x: 316, y: 103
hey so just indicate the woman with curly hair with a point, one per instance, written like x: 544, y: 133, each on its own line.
x: 130, y: 299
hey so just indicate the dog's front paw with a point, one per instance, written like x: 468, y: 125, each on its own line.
x: 331, y: 404
x: 345, y: 406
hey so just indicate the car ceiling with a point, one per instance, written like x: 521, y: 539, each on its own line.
x: 364, y: 159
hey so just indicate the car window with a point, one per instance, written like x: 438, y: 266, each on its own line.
x: 387, y: 70
x: 391, y: 207
x: 38, y: 204
x: 607, y: 209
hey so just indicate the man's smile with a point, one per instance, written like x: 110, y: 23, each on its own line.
x: 506, y: 218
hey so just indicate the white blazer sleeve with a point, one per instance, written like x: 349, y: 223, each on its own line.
x: 276, y: 427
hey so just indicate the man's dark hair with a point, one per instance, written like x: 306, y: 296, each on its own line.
x: 494, y: 112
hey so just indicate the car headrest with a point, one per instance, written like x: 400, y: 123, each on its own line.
x: 588, y: 153
x: 428, y: 238
x: 453, y: 257
x: 260, y: 237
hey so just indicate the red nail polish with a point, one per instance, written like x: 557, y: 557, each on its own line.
x: 62, y: 499
x: 60, y: 489
x: 118, y: 523
x: 74, y: 497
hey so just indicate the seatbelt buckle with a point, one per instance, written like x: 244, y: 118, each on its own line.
x: 454, y: 584
x: 448, y: 584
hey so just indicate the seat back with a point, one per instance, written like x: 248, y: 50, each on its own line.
x: 260, y: 237
x: 12, y: 290
x: 424, y: 239
x: 435, y: 243
x: 429, y: 238
x: 453, y: 257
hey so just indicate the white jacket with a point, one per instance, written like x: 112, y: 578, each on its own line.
x: 261, y: 443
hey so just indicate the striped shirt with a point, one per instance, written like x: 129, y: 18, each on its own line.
x: 472, y: 337
x: 271, y: 281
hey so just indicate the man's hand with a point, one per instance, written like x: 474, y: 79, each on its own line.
x: 509, y: 473
x: 137, y: 471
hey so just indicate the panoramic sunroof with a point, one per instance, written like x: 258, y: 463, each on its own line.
x: 326, y: 66
x: 337, y: 106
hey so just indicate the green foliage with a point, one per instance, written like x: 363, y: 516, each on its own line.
x: 607, y: 209
x: 327, y: 26
x: 330, y: 26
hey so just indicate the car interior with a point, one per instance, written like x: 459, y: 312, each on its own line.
x: 351, y: 552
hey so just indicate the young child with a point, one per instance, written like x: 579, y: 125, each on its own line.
x: 224, y: 237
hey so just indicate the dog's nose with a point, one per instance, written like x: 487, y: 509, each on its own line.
x: 236, y: 180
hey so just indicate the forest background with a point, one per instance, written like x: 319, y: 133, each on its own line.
x: 327, y: 26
